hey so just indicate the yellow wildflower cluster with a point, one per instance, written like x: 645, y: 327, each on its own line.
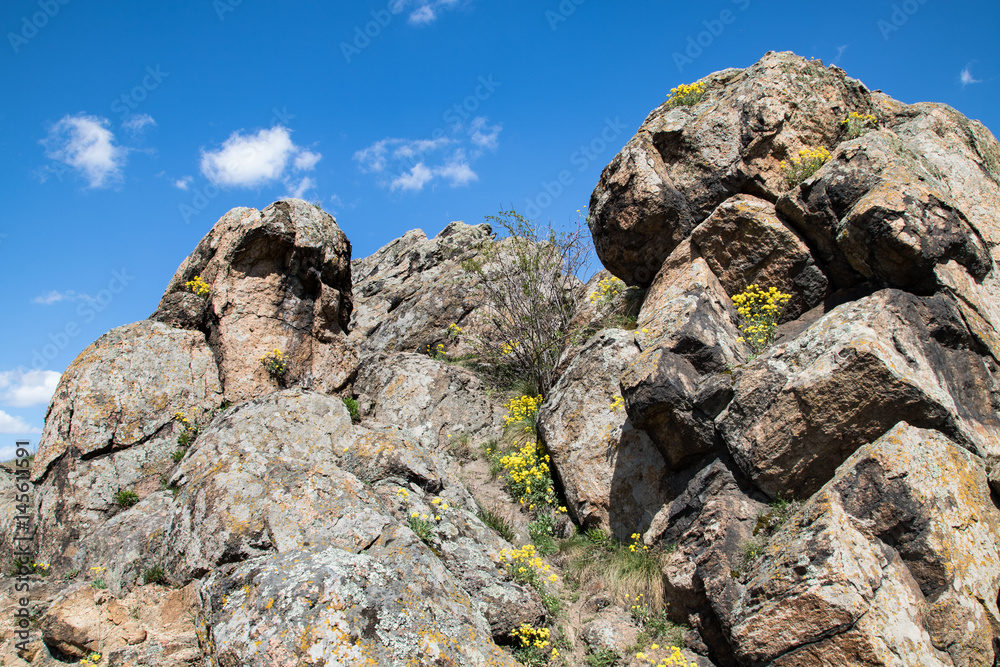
x: 522, y: 410
x: 530, y: 636
x: 805, y: 165
x: 525, y: 565
x: 858, y: 123
x: 198, y: 286
x: 759, y: 311
x: 607, y: 289
x: 686, y: 94
x: 91, y: 660
x: 509, y: 348
x: 274, y: 363
x: 673, y: 659
x: 636, y: 544
x: 618, y: 403
x: 527, y: 474
x: 454, y: 331
x: 437, y: 352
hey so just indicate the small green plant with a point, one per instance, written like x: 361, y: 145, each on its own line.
x: 454, y: 331
x: 178, y: 455
x: 603, y: 658
x: 497, y: 522
x: 154, y: 575
x: 805, y: 165
x: 461, y: 447
x: 686, y: 94
x: 607, y: 290
x: 190, y: 429
x: 627, y: 571
x: 198, y: 286
x: 352, y: 407
x: 422, y: 526
x: 72, y: 574
x: 98, y: 583
x: 858, y: 123
x: 275, y: 363
x: 759, y: 312
x: 767, y: 525
x: 126, y: 498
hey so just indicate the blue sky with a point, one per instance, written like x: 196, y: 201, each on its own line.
x: 129, y: 128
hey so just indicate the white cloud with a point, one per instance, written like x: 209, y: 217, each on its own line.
x: 422, y: 12
x: 86, y: 144
x: 56, y: 296
x: 411, y: 164
x: 26, y: 389
x: 298, y: 190
x: 306, y: 160
x: 137, y: 122
x: 10, y: 424
x: 483, y: 134
x: 183, y: 182
x: 966, y: 76
x: 248, y: 160
x: 415, y: 179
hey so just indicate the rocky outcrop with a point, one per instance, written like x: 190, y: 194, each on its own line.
x: 892, y: 562
x: 437, y: 402
x: 410, y: 291
x: 686, y: 161
x: 111, y: 426
x: 276, y: 279
x: 800, y: 410
x: 612, y: 474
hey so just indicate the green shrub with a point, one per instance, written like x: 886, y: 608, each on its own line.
x: 627, y: 571
x: 154, y: 575
x: 528, y: 286
x: 497, y: 522
x: 126, y: 498
x: 805, y: 165
x: 352, y: 407
x: 178, y: 455
x: 858, y: 123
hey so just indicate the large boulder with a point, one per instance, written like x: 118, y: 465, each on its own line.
x: 686, y: 160
x: 277, y: 279
x: 391, y: 604
x: 111, y: 426
x: 410, y: 291
x: 893, y: 562
x: 801, y: 409
x: 612, y: 474
x: 435, y: 401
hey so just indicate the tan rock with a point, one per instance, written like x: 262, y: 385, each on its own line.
x: 278, y: 279
x: 684, y: 161
x: 893, y: 562
x: 612, y: 474
x: 110, y: 426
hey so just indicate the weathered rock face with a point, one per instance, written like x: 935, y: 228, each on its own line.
x: 872, y: 569
x: 435, y: 401
x: 390, y: 604
x: 409, y: 292
x: 685, y: 161
x: 613, y: 476
x: 800, y: 410
x: 110, y: 426
x: 278, y: 279
x: 150, y: 626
